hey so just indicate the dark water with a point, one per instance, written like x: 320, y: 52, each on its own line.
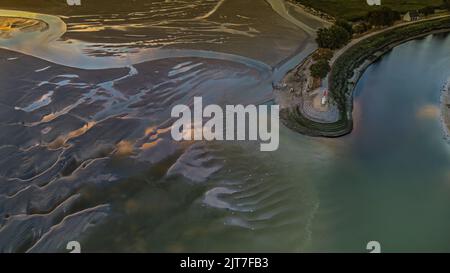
x: 391, y: 178
x: 85, y: 151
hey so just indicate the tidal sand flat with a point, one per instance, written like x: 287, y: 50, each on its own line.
x: 85, y: 118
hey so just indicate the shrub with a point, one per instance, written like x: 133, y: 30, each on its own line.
x: 320, y: 69
x: 333, y: 37
x: 346, y: 25
x: 427, y: 10
x: 323, y: 53
x: 383, y: 17
x: 361, y: 27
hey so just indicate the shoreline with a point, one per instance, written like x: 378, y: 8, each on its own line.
x: 342, y: 83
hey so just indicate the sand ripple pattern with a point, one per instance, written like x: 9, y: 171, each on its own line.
x: 66, y: 129
x: 85, y: 123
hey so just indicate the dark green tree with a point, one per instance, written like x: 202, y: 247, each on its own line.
x: 427, y: 10
x: 346, y: 25
x: 341, y: 35
x: 320, y: 69
x: 324, y: 38
x: 383, y: 17
x: 333, y: 37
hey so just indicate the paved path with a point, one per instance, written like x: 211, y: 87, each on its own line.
x: 341, y: 51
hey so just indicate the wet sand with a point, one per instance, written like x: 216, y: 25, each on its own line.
x: 86, y: 105
x: 199, y: 26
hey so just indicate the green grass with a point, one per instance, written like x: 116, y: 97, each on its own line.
x: 355, y: 9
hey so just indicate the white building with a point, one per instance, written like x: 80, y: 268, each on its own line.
x: 411, y: 16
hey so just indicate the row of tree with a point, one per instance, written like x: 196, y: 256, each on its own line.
x: 382, y: 17
x: 329, y: 39
x: 386, y: 16
x: 342, y: 31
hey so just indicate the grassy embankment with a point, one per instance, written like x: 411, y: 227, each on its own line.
x: 343, y: 69
x: 356, y: 9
